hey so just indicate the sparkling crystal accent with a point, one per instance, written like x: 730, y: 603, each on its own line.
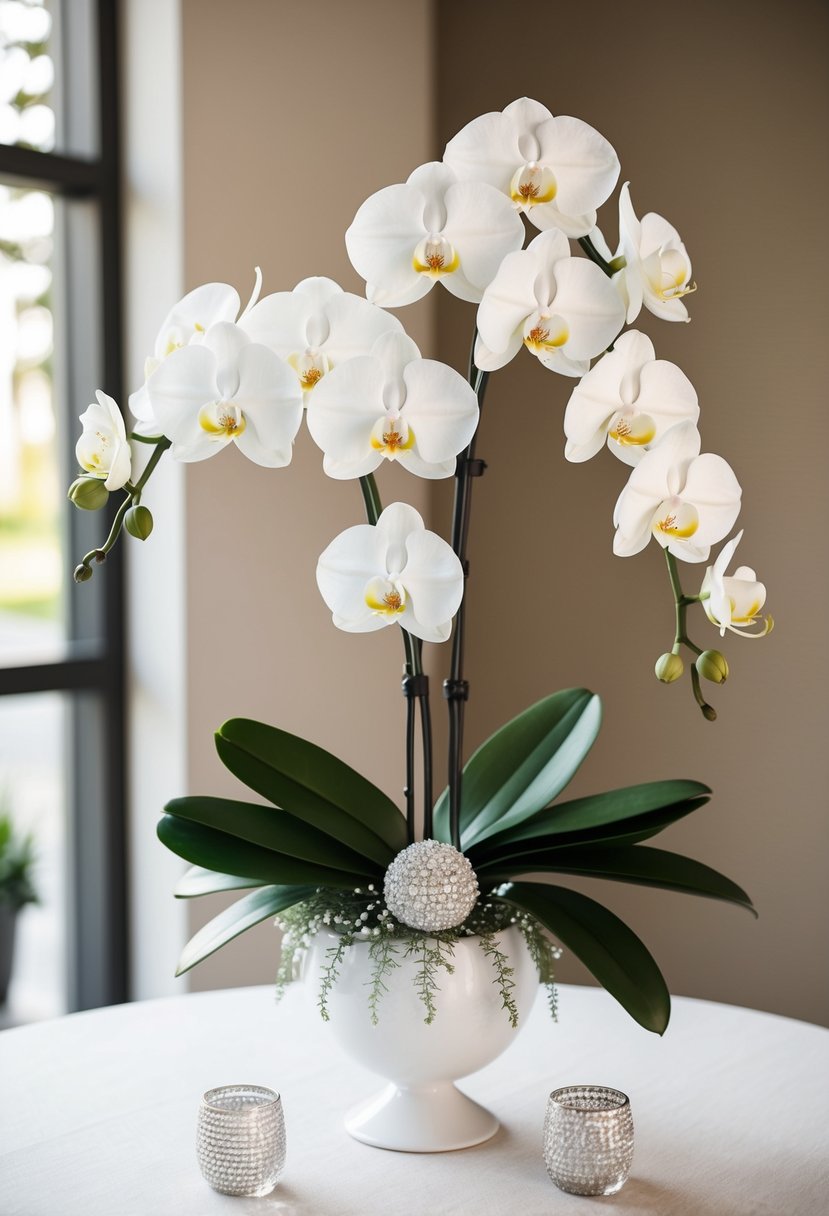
x: 430, y: 886
x: 588, y: 1139
x: 241, y: 1139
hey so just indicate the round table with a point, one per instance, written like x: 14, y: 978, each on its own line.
x: 731, y: 1110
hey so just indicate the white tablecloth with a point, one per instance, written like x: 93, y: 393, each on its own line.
x: 731, y: 1110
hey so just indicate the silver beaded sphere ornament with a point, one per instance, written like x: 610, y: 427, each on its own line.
x: 430, y: 886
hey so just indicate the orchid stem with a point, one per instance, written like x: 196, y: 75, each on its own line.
x: 456, y: 688
x: 415, y: 688
x: 681, y: 638
x: 133, y: 496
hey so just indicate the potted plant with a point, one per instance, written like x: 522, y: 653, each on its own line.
x: 380, y: 895
x: 17, y: 860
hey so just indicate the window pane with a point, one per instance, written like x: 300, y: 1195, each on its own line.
x: 48, y: 373
x: 33, y: 784
x: 47, y: 82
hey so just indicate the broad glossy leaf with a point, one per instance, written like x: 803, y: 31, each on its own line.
x: 198, y: 881
x: 215, y: 850
x: 598, y: 810
x: 629, y: 831
x: 608, y: 948
x: 271, y: 828
x: 244, y: 914
x: 523, y: 766
x: 311, y: 784
x: 642, y: 866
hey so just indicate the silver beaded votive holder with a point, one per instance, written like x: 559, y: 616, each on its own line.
x: 241, y: 1139
x: 588, y: 1139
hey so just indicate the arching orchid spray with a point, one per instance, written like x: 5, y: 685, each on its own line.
x: 219, y: 376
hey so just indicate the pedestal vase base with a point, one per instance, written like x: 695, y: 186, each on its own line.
x: 435, y: 1118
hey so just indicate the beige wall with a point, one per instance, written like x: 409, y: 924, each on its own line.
x: 718, y: 112
x: 292, y: 115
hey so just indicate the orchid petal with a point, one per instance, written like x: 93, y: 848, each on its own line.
x: 271, y: 402
x: 585, y: 164
x: 381, y: 243
x: 590, y: 305
x: 343, y: 408
x: 441, y: 408
x: 508, y: 301
x: 355, y: 325
x: 184, y: 382
x: 483, y: 226
x: 488, y: 361
x: 713, y: 488
x: 193, y: 315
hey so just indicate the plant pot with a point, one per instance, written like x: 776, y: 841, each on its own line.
x: 420, y: 1110
x: 8, y: 920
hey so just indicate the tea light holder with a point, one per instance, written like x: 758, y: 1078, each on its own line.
x: 588, y: 1139
x: 241, y: 1139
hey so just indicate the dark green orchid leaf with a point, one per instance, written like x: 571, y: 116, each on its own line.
x: 198, y: 881
x: 312, y: 785
x: 643, y: 866
x: 600, y: 810
x: 608, y: 948
x: 630, y: 831
x: 271, y: 828
x: 244, y: 914
x: 215, y: 850
x: 523, y: 766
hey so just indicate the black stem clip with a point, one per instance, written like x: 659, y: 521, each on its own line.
x: 415, y: 686
x: 471, y: 467
x: 456, y: 690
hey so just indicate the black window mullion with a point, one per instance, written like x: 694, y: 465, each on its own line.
x: 96, y: 760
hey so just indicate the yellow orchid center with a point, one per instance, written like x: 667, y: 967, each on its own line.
x: 435, y: 256
x: 532, y: 184
x: 392, y: 436
x: 222, y: 419
x: 675, y: 520
x: 632, y: 430
x: 385, y: 597
x: 545, y: 333
x: 310, y: 365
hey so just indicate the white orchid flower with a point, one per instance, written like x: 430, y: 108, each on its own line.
x: 185, y: 324
x: 103, y: 450
x: 227, y: 388
x: 394, y: 572
x: 628, y: 399
x: 556, y: 170
x: 316, y: 327
x: 392, y: 405
x: 432, y: 228
x: 563, y: 309
x: 687, y: 502
x: 657, y: 272
x: 734, y: 602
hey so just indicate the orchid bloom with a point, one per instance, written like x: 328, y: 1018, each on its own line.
x: 657, y: 269
x: 563, y: 309
x: 392, y: 405
x: 556, y: 170
x: 316, y: 327
x: 187, y: 322
x: 395, y: 571
x: 227, y: 388
x: 432, y: 228
x: 103, y: 450
x: 733, y: 602
x: 687, y: 502
x: 629, y: 399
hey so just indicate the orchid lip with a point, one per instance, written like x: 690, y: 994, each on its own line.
x: 435, y: 256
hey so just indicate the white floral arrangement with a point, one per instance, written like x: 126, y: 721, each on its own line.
x: 221, y: 374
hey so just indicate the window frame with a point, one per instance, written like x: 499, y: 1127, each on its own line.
x: 97, y: 941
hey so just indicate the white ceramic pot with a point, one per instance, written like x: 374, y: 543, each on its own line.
x: 421, y: 1110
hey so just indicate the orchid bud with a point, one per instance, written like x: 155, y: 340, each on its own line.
x: 88, y: 493
x: 712, y: 666
x: 82, y: 574
x: 138, y: 521
x: 669, y: 667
